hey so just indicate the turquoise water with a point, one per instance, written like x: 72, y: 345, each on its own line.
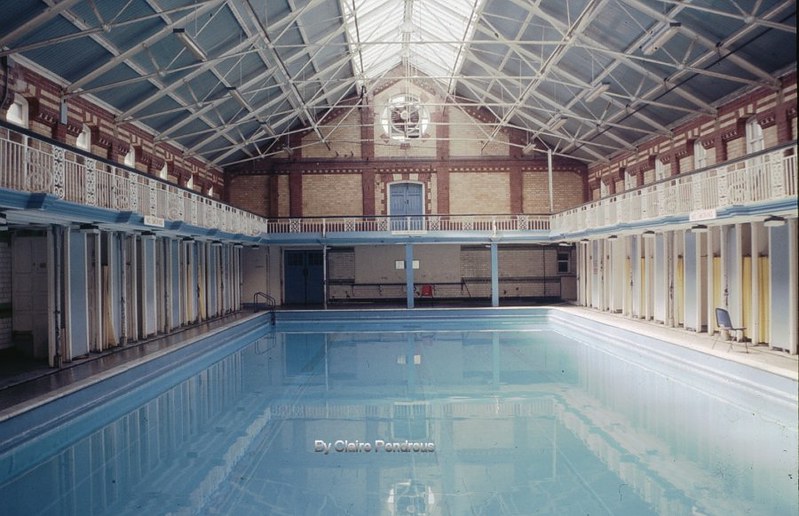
x: 500, y: 417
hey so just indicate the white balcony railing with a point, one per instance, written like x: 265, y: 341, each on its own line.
x: 32, y: 165
x: 419, y: 224
x: 765, y: 177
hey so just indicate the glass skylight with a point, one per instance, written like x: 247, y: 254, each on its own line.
x: 429, y: 33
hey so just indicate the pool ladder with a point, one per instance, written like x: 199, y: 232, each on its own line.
x: 269, y: 304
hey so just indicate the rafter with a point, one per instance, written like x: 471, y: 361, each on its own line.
x: 132, y: 51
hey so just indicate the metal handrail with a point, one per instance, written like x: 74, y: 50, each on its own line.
x: 269, y: 301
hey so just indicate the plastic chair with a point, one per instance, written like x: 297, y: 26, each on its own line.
x: 426, y: 290
x: 723, y: 322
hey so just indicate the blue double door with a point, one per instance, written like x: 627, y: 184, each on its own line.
x: 406, y: 207
x: 304, y: 277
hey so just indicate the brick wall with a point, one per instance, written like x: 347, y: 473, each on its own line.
x: 467, y: 136
x: 567, y: 191
x: 369, y: 272
x: 331, y: 194
x: 736, y: 148
x: 250, y: 193
x: 343, y: 134
x: 479, y: 192
x: 283, y: 196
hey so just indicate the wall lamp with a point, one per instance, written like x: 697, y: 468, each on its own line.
x: 699, y: 228
x: 190, y: 44
x: 773, y: 221
x: 613, y: 237
x: 584, y: 241
x: 597, y: 90
x: 659, y: 37
x: 648, y: 234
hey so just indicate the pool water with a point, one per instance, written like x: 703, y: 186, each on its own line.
x: 501, y: 416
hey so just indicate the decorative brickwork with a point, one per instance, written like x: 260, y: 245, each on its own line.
x: 110, y: 138
x: 723, y: 136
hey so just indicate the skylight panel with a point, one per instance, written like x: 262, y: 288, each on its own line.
x: 430, y: 33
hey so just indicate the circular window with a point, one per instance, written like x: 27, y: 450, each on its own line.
x: 405, y: 118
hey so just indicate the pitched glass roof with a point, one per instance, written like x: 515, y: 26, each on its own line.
x: 428, y: 35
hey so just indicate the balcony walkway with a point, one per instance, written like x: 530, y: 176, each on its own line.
x: 43, y: 182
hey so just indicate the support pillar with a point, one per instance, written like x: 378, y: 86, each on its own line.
x: 133, y: 282
x: 494, y: 274
x: 324, y: 277
x: 213, y: 267
x: 94, y: 242
x: 114, y: 267
x: 409, y: 289
x: 148, y: 285
x: 712, y: 236
x: 190, y: 284
x: 637, y: 279
x: 76, y: 296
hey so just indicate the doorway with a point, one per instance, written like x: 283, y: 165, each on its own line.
x: 304, y: 277
x: 406, y: 206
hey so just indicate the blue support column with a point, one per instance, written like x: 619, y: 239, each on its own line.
x: 637, y: 278
x: 409, y: 274
x: 494, y: 274
x: 213, y: 256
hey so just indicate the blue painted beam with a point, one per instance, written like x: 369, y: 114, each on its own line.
x: 409, y: 294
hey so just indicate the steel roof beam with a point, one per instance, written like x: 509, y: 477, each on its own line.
x: 546, y: 130
x: 87, y: 32
x: 711, y: 45
x: 747, y: 19
x: 552, y: 59
x: 123, y: 56
x: 51, y: 11
x: 282, y: 66
x: 206, y: 66
x: 254, y: 112
x: 561, y: 27
x: 623, y: 110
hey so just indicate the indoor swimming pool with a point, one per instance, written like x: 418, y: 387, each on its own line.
x: 437, y: 412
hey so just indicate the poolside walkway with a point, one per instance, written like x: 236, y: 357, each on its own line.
x: 759, y: 356
x: 33, y: 379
